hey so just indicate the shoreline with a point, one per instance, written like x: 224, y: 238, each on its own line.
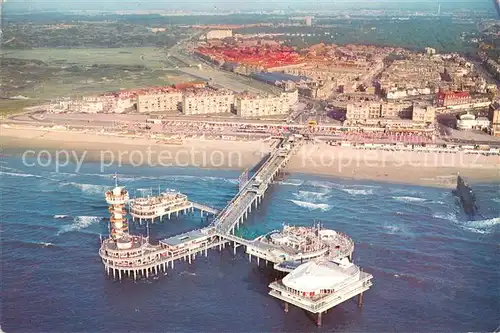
x: 412, y: 168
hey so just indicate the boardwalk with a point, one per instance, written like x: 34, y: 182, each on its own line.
x: 252, y: 193
x: 140, y: 257
x: 203, y: 208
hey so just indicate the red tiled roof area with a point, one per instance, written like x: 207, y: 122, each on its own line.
x: 186, y: 85
x: 453, y: 94
x: 261, y: 56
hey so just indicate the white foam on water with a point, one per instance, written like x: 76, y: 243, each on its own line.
x: 311, y: 196
x: 481, y: 226
x: 409, y: 199
x: 315, y: 183
x: 353, y: 191
x: 79, y: 223
x: 291, y: 182
x: 446, y: 216
x: 496, y: 200
x: 91, y: 189
x: 60, y: 216
x: 312, y: 206
x: 15, y: 174
x: 392, y: 229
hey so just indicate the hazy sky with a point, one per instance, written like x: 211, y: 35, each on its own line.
x: 34, y: 5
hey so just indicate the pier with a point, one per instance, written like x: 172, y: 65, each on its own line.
x: 252, y: 193
x: 165, y: 204
x: 136, y: 255
x: 133, y: 256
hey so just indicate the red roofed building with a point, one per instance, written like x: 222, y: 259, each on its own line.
x: 447, y: 98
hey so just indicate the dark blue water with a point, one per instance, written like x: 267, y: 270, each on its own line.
x: 433, y: 270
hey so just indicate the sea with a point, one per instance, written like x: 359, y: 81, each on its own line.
x: 434, y: 270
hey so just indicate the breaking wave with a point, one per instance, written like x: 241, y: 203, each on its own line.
x: 15, y: 174
x: 481, y: 226
x: 90, y: 189
x: 311, y: 196
x: 353, y: 191
x: 485, y: 226
x: 392, y: 229
x: 312, y: 206
x: 446, y: 216
x: 409, y: 199
x: 61, y: 216
x: 79, y: 223
x: 291, y: 182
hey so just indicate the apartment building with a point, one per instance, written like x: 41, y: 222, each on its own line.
x: 363, y: 111
x: 423, y: 113
x: 207, y: 101
x: 495, y: 119
x: 251, y: 106
x: 219, y: 34
x: 161, y: 102
x: 401, y: 110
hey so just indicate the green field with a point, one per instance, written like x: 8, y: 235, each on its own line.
x: 45, y: 74
x: 149, y: 57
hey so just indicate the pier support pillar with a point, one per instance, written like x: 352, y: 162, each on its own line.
x: 114, y: 273
x: 249, y: 257
x: 360, y: 300
x: 234, y: 248
x: 206, y: 250
x: 119, y: 274
x: 189, y: 256
x: 135, y: 274
x: 258, y: 261
x: 172, y: 264
x: 286, y: 307
x: 319, y: 320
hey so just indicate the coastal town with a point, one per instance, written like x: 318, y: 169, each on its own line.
x: 327, y: 166
x: 322, y: 90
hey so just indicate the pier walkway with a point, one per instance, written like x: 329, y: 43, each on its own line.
x: 253, y: 191
x: 203, y: 208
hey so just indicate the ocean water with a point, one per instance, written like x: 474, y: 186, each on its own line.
x: 433, y: 270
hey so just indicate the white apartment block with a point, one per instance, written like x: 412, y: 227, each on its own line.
x: 398, y: 109
x: 363, y: 111
x: 163, y: 102
x: 219, y: 34
x: 260, y: 106
x: 207, y: 102
x: 423, y: 113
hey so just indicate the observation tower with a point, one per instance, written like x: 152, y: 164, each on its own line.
x: 117, y: 198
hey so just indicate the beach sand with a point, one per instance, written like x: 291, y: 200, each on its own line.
x: 429, y: 169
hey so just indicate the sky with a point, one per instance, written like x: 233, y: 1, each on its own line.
x: 210, y: 5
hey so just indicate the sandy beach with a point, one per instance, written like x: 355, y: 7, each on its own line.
x: 421, y: 168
